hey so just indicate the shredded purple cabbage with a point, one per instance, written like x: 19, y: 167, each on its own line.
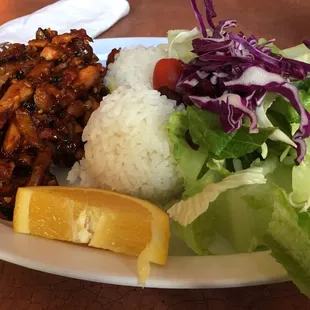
x: 232, y: 73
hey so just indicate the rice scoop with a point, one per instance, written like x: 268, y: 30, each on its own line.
x: 127, y: 146
x: 134, y: 66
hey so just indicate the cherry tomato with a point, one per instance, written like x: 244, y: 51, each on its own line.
x: 167, y: 72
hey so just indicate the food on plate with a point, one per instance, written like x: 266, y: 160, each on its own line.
x: 98, y: 218
x: 213, y: 127
x: 133, y: 67
x: 127, y: 146
x: 238, y: 132
x: 166, y: 73
x: 49, y: 88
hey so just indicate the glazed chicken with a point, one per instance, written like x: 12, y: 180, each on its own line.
x: 48, y: 90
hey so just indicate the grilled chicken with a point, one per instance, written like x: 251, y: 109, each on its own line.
x: 12, y: 138
x: 14, y: 96
x: 48, y: 90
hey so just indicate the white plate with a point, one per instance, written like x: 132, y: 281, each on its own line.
x: 103, y: 266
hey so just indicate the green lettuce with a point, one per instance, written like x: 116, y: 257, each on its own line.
x: 187, y: 211
x: 195, y: 167
x: 289, y: 242
x: 301, y: 182
x: 190, y: 161
x: 268, y: 118
x: 304, y: 221
x: 206, y: 131
x: 274, y: 48
x: 282, y: 107
x: 300, y: 52
x: 249, y: 218
x: 300, y: 194
x: 180, y: 44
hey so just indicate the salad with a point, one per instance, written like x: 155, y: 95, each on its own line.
x: 242, y: 145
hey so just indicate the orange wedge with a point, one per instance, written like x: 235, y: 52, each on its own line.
x: 99, y: 218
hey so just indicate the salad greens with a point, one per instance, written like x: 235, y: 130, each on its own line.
x: 241, y: 145
x: 206, y: 131
x: 180, y: 44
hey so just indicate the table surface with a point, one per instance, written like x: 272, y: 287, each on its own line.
x: 21, y: 288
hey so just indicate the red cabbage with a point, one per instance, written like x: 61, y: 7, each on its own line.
x: 231, y: 108
x: 217, y: 79
x: 200, y: 19
x: 256, y: 78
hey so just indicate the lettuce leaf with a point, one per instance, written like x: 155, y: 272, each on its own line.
x: 274, y: 48
x: 270, y: 118
x: 190, y: 161
x: 300, y: 194
x: 180, y: 44
x: 289, y: 243
x: 211, y: 176
x: 232, y: 224
x: 206, y: 131
x: 249, y: 218
x: 195, y: 167
x: 301, y: 182
x: 299, y: 52
x: 283, y: 107
x: 304, y: 221
x: 187, y: 211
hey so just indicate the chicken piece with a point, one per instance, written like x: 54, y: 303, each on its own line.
x: 79, y: 154
x: 12, y: 138
x: 67, y: 96
x: 40, y: 165
x: 76, y: 62
x: 65, y: 38
x: 38, y: 43
x: 27, y: 128
x: 48, y: 134
x: 6, y: 169
x: 111, y: 56
x: 9, y: 70
x: 76, y: 109
x: 12, y: 51
x: 6, y: 189
x: 45, y: 97
x: 81, y: 34
x: 4, y: 78
x: 88, y: 76
x: 45, y: 34
x: 40, y: 73
x: 77, y: 128
x: 91, y: 105
x: 52, y: 52
x: 15, y: 69
x: 82, y: 51
x: 86, y: 117
x: 25, y: 159
x: 11, y: 100
x: 67, y: 77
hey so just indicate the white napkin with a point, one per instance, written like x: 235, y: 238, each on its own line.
x: 95, y: 16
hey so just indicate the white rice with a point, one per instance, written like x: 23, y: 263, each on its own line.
x: 127, y: 146
x: 134, y: 66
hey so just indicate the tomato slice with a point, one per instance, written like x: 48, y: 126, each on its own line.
x: 167, y: 72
